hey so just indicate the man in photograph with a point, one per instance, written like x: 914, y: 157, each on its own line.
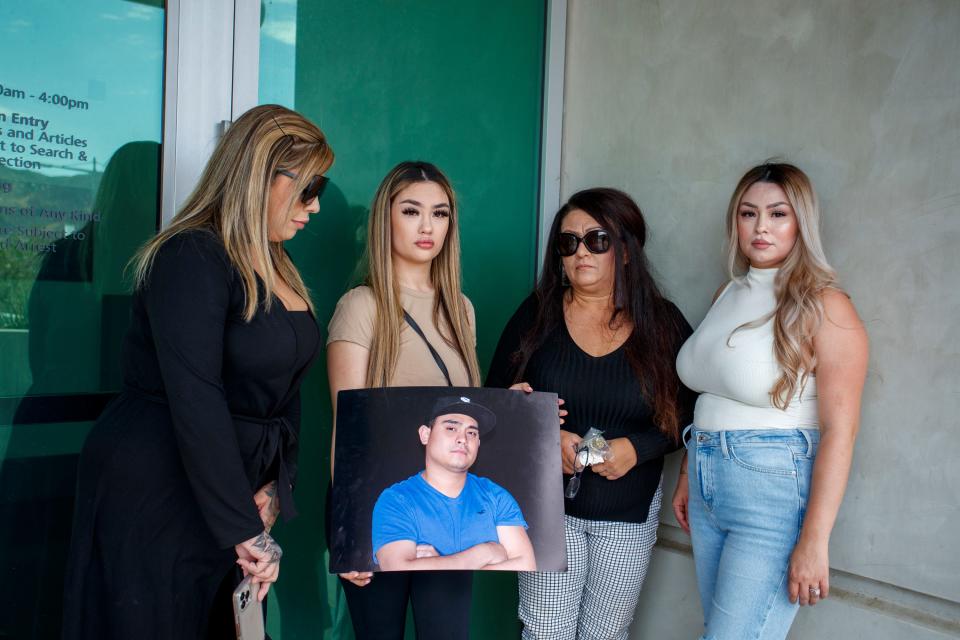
x: 445, y: 517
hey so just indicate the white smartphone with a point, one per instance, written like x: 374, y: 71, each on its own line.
x: 248, y: 612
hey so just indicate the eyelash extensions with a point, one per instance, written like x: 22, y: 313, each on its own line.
x: 439, y: 213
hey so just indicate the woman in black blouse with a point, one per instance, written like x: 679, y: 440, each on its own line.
x: 183, y: 475
x: 598, y: 332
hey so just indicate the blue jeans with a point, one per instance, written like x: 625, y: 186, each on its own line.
x: 748, y: 496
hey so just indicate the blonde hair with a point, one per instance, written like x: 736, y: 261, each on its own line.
x: 450, y: 305
x: 800, y: 282
x: 232, y: 197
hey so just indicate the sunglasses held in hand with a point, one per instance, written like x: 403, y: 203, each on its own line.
x: 580, y: 458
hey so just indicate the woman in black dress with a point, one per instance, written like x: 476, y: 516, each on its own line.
x: 183, y: 475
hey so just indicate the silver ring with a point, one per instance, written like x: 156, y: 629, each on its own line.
x: 815, y: 592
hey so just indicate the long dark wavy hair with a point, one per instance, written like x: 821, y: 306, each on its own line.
x: 657, y: 332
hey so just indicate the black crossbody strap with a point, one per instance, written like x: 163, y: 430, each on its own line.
x: 436, y: 356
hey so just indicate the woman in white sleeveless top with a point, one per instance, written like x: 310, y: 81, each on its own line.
x: 780, y: 362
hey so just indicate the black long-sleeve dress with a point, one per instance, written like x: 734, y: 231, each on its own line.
x: 209, y: 413
x: 601, y: 392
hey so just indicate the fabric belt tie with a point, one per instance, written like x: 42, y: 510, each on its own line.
x: 275, y: 435
x: 278, y: 434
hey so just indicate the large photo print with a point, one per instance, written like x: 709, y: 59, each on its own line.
x: 430, y: 478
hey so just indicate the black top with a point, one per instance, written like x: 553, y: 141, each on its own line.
x: 230, y: 384
x: 600, y: 392
x: 209, y: 413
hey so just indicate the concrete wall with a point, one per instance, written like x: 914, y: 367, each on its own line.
x: 672, y: 101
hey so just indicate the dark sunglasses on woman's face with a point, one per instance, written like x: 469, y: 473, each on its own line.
x: 313, y: 188
x: 596, y: 241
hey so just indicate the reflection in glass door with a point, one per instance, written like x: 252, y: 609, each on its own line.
x: 78, y: 163
x: 80, y: 130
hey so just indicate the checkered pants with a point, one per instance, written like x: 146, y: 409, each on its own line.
x: 595, y: 598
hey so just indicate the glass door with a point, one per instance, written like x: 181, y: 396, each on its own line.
x: 81, y: 95
x: 109, y: 110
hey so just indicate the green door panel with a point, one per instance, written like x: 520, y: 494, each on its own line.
x: 458, y: 84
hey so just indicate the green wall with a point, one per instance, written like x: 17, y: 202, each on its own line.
x: 454, y: 83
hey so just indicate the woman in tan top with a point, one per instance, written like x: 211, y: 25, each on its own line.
x: 413, y: 272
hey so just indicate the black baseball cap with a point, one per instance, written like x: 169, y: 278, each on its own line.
x: 486, y: 419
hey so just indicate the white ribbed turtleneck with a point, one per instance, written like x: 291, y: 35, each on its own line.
x: 735, y: 373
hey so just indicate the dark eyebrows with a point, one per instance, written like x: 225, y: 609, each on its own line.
x: 744, y: 203
x: 458, y: 423
x: 596, y: 227
x: 415, y: 203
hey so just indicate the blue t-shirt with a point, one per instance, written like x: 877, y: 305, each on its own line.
x: 413, y: 510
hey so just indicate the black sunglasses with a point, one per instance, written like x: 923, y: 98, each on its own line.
x: 313, y: 188
x: 579, y: 464
x: 596, y: 241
